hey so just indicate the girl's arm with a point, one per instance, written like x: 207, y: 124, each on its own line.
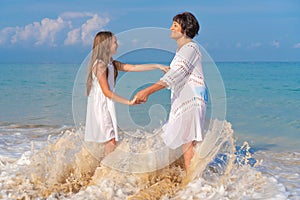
x: 139, y: 67
x: 102, y: 78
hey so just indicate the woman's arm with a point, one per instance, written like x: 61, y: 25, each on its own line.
x: 185, y: 60
x: 102, y: 78
x: 139, y: 67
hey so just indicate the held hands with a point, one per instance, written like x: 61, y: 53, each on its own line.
x: 142, y: 96
x: 139, y: 98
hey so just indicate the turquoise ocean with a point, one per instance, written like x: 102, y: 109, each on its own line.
x: 263, y: 109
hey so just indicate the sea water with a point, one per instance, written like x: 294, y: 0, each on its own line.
x: 256, y: 156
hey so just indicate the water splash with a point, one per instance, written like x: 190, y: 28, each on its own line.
x: 65, y: 169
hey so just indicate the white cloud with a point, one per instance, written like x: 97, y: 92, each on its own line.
x: 296, y: 46
x: 72, y: 15
x: 57, y: 31
x: 5, y: 34
x: 275, y: 44
x: 24, y: 33
x: 73, y: 37
x: 40, y: 32
x: 90, y: 27
x: 49, y: 28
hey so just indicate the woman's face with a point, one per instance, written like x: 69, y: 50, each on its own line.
x: 176, y: 31
x: 114, y: 45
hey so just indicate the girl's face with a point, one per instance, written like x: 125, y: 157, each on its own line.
x: 114, y: 45
x: 176, y: 31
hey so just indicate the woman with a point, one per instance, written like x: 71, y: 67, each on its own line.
x: 101, y: 124
x: 188, y: 91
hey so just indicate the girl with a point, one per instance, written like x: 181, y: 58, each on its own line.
x: 101, y: 124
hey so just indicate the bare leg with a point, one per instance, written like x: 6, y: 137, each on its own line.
x: 188, y: 153
x: 110, y: 146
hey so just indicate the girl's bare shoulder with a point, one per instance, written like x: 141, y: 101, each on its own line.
x: 99, y: 67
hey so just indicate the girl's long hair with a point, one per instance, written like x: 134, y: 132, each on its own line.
x: 100, y: 51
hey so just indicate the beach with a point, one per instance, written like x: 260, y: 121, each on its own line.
x: 256, y: 154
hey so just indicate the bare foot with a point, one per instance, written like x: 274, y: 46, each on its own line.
x: 110, y: 146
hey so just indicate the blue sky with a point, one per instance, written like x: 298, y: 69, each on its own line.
x: 231, y: 30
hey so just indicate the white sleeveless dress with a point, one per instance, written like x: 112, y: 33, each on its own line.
x: 101, y: 122
x: 189, y: 97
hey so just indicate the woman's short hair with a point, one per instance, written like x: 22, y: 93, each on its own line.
x: 188, y: 23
